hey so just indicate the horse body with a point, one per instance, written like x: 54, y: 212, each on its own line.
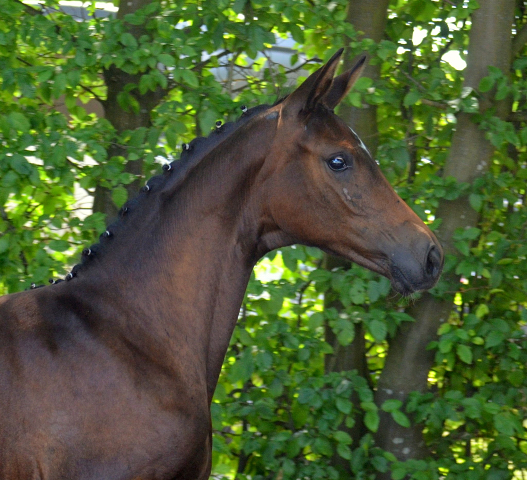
x: 111, y: 375
x: 134, y: 340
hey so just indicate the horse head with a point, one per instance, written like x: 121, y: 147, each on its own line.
x: 326, y: 190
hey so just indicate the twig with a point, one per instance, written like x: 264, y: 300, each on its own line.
x: 29, y: 9
x: 433, y: 103
x: 203, y: 63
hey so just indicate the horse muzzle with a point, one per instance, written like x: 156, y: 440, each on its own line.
x: 416, y: 268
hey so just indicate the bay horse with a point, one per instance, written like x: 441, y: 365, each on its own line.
x: 110, y: 375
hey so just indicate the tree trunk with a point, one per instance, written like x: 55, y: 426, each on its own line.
x: 369, y: 19
x: 122, y: 120
x: 408, y: 362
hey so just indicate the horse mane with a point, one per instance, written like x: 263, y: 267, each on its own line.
x: 174, y: 174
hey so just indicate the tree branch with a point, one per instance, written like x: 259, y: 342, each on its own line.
x: 86, y: 89
x: 29, y: 9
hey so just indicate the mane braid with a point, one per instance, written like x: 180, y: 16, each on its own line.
x: 173, y: 176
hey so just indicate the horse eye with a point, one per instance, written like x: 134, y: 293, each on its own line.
x: 337, y: 164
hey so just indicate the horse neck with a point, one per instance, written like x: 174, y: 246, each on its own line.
x: 177, y: 287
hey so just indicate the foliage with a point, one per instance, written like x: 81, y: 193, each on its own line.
x: 278, y: 412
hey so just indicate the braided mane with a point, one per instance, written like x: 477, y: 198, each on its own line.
x: 173, y: 176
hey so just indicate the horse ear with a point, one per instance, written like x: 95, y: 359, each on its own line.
x: 306, y: 97
x: 342, y: 84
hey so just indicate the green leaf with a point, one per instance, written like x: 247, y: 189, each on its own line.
x: 45, y: 74
x: 371, y: 420
x: 445, y: 345
x: 369, y: 406
x: 274, y: 304
x: 411, y: 98
x: 444, y: 328
x: 400, y: 418
x: 492, y: 408
x: 315, y: 321
x: 292, y: 447
x: 472, y: 407
x: 344, y: 405
x: 345, y: 330
x: 505, y: 261
x: 357, y: 293
x: 166, y: 59
x: 401, y: 157
x: 386, y: 48
x: 355, y: 98
x: 380, y: 463
x: 476, y: 201
x: 119, y: 196
x: 18, y: 121
x: 516, y: 378
x: 172, y: 138
x: 391, y: 405
x: 482, y: 310
x: 264, y: 360
x: 344, y: 451
x: 146, y: 83
x: 486, y: 84
x: 151, y: 8
x: 300, y: 414
x: 127, y: 102
x: 59, y: 245
x: 464, y: 353
x: 399, y: 472
x: 20, y: 165
x: 342, y: 437
x: 296, y: 32
x: 378, y: 330
x: 323, y: 446
x: 363, y: 83
x: 173, y: 134
x: 190, y: 78
x: 80, y: 57
x: 374, y: 290
x: 59, y: 84
x: 463, y: 247
x: 4, y: 244
x: 239, y: 5
x: 471, y: 233
x: 207, y: 118
x: 137, y: 137
x: 128, y: 40
x: 243, y: 367
x: 136, y: 18
x: 505, y: 423
x: 305, y: 395
x: 493, y: 339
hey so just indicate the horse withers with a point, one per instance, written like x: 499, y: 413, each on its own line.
x: 110, y: 375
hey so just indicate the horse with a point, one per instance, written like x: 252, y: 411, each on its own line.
x: 111, y: 373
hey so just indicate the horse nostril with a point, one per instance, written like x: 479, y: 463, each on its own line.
x: 433, y: 262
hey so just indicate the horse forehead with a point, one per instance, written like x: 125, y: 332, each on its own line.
x: 360, y: 142
x: 332, y: 129
x: 324, y: 128
x: 326, y: 125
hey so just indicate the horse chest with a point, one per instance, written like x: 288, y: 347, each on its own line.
x: 96, y: 417
x: 139, y: 447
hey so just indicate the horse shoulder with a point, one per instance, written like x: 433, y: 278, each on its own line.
x: 140, y: 422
